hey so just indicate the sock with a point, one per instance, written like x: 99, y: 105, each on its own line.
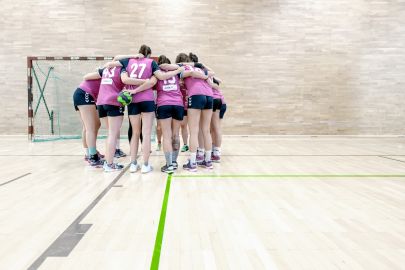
x: 208, y: 155
x: 145, y: 163
x: 117, y: 144
x: 193, y: 157
x: 175, y: 155
x: 86, y: 150
x: 217, y: 151
x: 200, y: 151
x: 168, y: 157
x: 134, y: 162
x: 92, y: 151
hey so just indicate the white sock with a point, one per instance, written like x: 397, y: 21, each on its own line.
x: 193, y: 157
x: 217, y: 151
x: 200, y: 151
x: 208, y: 155
x: 86, y: 151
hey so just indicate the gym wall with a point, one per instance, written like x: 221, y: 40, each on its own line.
x: 288, y: 66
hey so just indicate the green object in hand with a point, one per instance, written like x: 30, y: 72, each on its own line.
x: 124, y: 98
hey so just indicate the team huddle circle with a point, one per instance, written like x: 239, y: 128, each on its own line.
x: 183, y: 96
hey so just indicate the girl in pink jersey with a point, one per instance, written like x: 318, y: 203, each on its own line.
x: 217, y: 115
x: 84, y: 99
x: 199, y: 111
x: 184, y: 127
x: 169, y: 114
x: 143, y: 105
x: 108, y: 106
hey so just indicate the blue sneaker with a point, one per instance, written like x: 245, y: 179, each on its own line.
x: 206, y: 164
x: 190, y: 167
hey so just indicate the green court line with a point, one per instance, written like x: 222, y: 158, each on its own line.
x: 290, y: 175
x: 159, y: 236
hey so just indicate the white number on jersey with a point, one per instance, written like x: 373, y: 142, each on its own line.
x: 170, y: 84
x: 107, y: 75
x: 134, y: 67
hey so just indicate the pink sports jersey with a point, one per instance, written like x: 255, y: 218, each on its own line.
x: 216, y: 93
x: 111, y: 85
x: 92, y: 87
x: 168, y: 92
x: 183, y: 91
x: 140, y: 69
x: 197, y: 86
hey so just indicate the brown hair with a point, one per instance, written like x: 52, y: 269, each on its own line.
x: 163, y: 60
x: 182, y: 58
x: 193, y: 57
x: 145, y: 50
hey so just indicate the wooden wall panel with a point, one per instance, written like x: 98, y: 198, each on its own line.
x: 289, y: 66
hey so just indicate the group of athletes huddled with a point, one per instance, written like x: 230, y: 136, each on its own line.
x: 187, y: 95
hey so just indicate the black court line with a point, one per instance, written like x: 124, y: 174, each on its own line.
x: 67, y: 241
x: 392, y: 159
x: 15, y: 179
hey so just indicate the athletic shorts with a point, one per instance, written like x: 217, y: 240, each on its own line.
x: 80, y: 97
x: 216, y: 105
x: 222, y: 111
x: 167, y: 111
x: 141, y: 107
x: 200, y: 102
x: 110, y: 110
x: 185, y: 112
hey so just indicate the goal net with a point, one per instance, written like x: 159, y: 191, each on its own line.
x: 51, y: 84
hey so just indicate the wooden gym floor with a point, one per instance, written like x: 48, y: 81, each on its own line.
x: 272, y: 203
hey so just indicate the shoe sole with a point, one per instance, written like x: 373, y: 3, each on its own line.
x: 191, y: 170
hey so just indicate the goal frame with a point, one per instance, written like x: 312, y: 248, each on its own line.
x: 31, y: 76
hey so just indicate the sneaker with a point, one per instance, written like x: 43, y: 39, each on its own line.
x: 101, y: 156
x: 112, y: 167
x: 190, y: 167
x: 184, y: 148
x: 146, y: 168
x: 97, y: 163
x: 167, y: 169
x: 206, y: 164
x: 86, y: 158
x: 159, y: 147
x: 216, y: 158
x: 175, y: 165
x: 119, y: 153
x: 199, y: 159
x: 134, y: 167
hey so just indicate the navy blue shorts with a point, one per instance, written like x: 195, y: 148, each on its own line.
x: 141, y: 107
x: 216, y: 105
x: 81, y: 97
x: 200, y: 102
x: 110, y: 110
x: 185, y: 112
x: 170, y: 111
x: 222, y: 111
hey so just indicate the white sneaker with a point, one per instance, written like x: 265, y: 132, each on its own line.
x: 134, y: 167
x: 146, y: 168
x: 112, y: 167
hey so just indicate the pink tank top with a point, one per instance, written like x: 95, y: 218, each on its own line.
x: 92, y: 87
x: 168, y: 92
x: 197, y: 86
x: 111, y: 85
x: 140, y: 69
